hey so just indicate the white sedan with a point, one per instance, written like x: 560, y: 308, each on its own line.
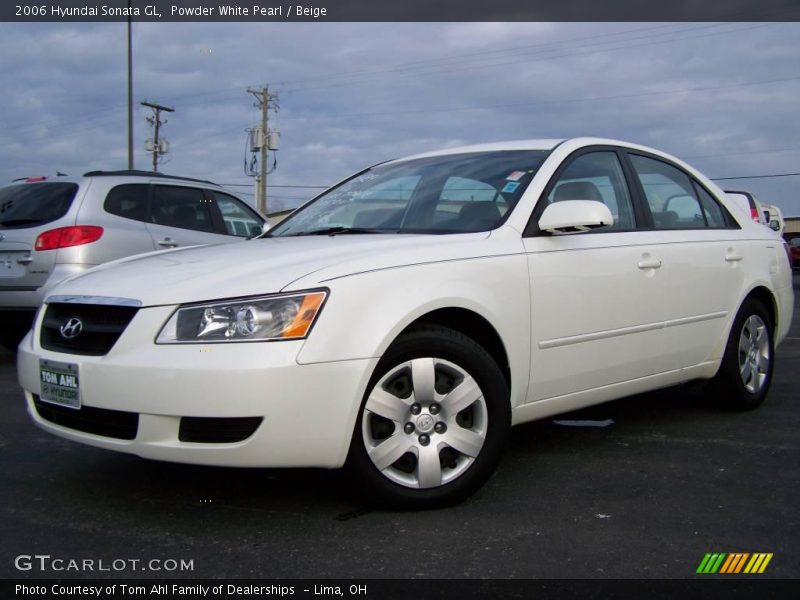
x: 405, y: 319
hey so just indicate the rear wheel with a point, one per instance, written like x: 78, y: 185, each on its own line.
x: 744, y: 378
x: 433, y: 423
x: 12, y: 334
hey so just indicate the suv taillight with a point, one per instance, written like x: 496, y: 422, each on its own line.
x: 754, y: 215
x: 64, y: 237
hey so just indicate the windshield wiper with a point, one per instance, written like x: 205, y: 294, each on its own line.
x: 339, y: 230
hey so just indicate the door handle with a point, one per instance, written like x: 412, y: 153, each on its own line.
x: 25, y: 260
x: 733, y: 256
x: 167, y: 243
x: 649, y: 263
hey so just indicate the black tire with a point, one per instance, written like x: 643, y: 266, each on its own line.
x: 12, y: 336
x: 728, y: 388
x: 452, y: 348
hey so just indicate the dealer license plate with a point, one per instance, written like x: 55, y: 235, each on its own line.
x: 60, y: 383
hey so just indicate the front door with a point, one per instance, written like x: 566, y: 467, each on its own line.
x: 596, y: 296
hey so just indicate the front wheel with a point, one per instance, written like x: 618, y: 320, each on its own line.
x: 433, y: 422
x: 745, y: 375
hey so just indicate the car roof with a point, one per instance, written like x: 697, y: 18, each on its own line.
x: 124, y: 175
x: 545, y: 144
x: 536, y: 144
x: 147, y: 174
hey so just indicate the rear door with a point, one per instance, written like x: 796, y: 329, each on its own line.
x: 121, y: 210
x: 701, y: 253
x: 27, y: 210
x: 183, y: 216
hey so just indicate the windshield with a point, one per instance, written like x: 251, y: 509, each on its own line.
x: 443, y: 194
x: 29, y: 205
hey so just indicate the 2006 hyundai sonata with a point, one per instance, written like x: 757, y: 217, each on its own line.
x: 403, y: 320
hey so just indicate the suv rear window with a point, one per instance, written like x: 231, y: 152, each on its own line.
x: 30, y: 205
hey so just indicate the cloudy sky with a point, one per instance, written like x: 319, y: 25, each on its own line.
x: 723, y: 96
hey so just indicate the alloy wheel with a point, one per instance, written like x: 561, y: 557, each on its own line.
x: 754, y: 354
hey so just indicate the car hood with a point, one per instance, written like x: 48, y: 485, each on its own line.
x: 265, y: 265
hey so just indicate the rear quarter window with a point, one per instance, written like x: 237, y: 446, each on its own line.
x: 128, y: 201
x: 31, y: 205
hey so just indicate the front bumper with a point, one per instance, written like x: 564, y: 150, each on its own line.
x: 308, y: 411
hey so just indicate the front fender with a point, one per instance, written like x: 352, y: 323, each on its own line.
x: 366, y: 312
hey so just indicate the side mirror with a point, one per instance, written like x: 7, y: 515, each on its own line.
x: 572, y: 216
x: 775, y: 225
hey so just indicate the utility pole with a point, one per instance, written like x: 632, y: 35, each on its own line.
x: 265, y: 102
x: 130, y: 93
x: 159, y: 147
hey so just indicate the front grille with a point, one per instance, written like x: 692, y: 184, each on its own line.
x: 99, y: 421
x: 217, y: 430
x: 101, y: 326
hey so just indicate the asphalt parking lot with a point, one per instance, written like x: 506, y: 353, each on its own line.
x: 645, y: 497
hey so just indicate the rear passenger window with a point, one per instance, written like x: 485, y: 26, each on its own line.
x: 129, y: 201
x: 715, y: 214
x: 182, y: 207
x: 597, y: 176
x: 670, y: 194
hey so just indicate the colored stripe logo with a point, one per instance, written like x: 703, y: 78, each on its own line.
x: 734, y: 563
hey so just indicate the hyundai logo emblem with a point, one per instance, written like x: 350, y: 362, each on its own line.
x: 71, y: 328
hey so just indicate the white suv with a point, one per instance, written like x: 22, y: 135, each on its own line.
x: 51, y: 229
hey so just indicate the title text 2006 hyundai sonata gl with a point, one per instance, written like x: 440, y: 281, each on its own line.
x: 403, y: 320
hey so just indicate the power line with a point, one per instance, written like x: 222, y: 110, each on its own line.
x: 556, y: 102
x: 451, y: 68
x: 755, y: 176
x: 739, y: 16
x: 543, y: 49
x: 740, y: 153
x: 460, y: 57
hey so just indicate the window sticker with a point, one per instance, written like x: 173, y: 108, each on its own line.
x: 510, y: 187
x: 515, y: 176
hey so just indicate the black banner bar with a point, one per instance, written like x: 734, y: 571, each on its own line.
x: 397, y: 10
x: 740, y: 587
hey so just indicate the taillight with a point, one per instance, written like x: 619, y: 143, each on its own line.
x: 64, y: 237
x: 754, y: 215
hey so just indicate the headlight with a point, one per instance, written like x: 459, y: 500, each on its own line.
x: 281, y: 317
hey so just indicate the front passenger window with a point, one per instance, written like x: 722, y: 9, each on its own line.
x: 596, y: 176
